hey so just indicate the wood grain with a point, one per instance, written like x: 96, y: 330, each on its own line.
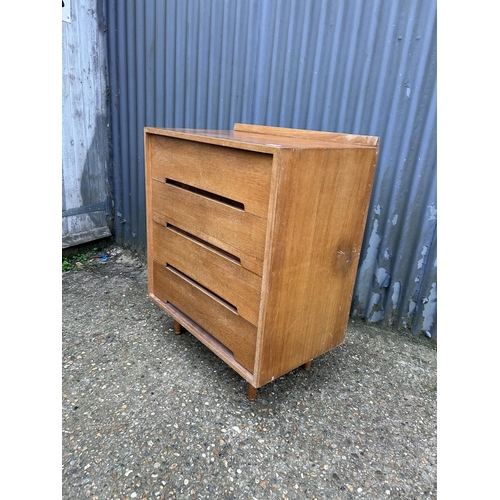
x: 237, y: 334
x: 313, y: 252
x: 212, y: 269
x: 257, y: 142
x: 203, y: 336
x: 261, y: 228
x: 358, y: 140
x: 148, y: 165
x: 229, y: 228
x: 243, y: 176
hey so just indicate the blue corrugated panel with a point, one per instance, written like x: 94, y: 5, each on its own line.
x: 365, y: 67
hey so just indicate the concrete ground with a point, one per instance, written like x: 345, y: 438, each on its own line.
x: 147, y: 414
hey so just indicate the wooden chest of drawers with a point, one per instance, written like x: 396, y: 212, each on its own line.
x: 254, y: 238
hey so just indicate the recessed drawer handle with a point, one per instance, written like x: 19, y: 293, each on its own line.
x: 204, y: 243
x: 207, y: 194
x: 194, y: 283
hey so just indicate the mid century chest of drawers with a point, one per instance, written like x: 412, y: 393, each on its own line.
x: 254, y: 237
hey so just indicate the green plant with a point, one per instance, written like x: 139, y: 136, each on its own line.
x: 75, y: 262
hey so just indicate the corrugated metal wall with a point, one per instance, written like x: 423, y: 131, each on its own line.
x: 357, y: 66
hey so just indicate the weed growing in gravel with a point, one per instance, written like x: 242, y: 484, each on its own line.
x: 77, y: 261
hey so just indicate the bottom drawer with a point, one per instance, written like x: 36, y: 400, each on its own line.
x: 209, y: 312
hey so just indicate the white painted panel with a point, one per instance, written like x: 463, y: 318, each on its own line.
x: 85, y: 125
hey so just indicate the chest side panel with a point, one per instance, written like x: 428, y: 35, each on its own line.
x: 321, y: 201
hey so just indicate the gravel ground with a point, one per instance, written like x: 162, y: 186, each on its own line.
x: 147, y: 414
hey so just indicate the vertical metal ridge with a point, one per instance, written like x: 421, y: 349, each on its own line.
x: 132, y: 104
x: 365, y: 68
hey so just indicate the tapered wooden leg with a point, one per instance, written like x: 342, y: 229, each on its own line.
x: 177, y: 327
x: 307, y: 365
x: 252, y: 392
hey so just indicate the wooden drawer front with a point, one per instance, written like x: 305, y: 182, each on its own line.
x: 242, y: 176
x: 237, y: 334
x: 220, y: 273
x: 229, y: 228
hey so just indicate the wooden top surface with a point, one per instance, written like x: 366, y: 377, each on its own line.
x: 268, y: 139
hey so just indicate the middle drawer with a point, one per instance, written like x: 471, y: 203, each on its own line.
x: 220, y: 273
x: 220, y: 224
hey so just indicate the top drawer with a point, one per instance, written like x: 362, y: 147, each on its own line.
x: 239, y: 175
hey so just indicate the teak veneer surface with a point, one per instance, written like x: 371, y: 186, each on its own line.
x: 254, y: 238
x: 237, y: 334
x: 213, y: 270
x: 258, y: 140
x: 224, y: 226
